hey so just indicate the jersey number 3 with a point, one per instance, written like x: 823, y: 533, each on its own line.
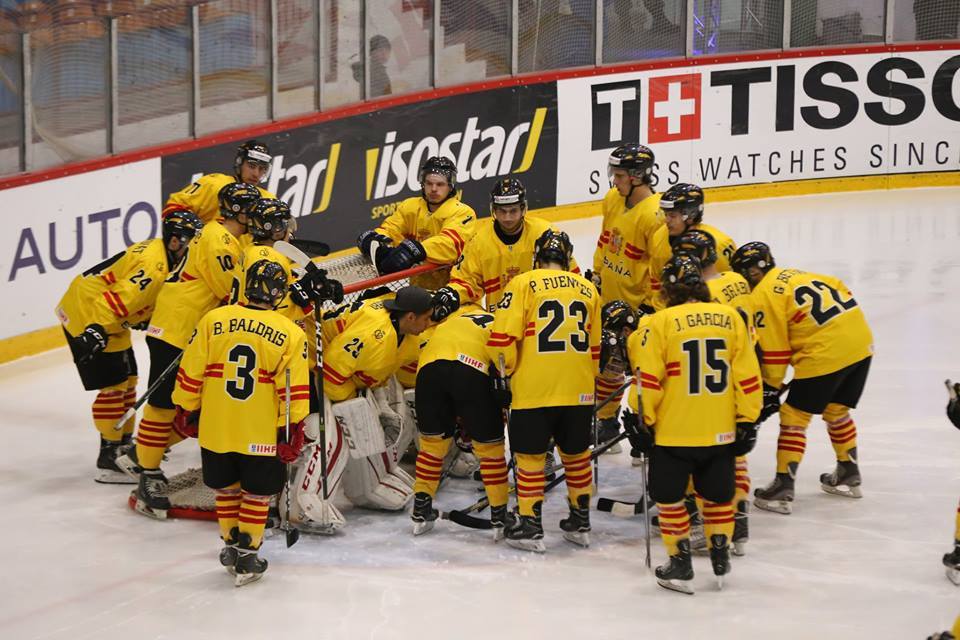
x: 241, y: 386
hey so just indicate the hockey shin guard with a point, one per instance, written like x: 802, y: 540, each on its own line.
x: 430, y: 464
x: 108, y: 407
x: 718, y: 519
x: 674, y: 525
x: 579, y: 474
x: 153, y: 434
x: 253, y: 517
x: 493, y: 471
x: 530, y: 481
x: 743, y: 480
x: 228, y: 508
x: 130, y: 399
x: 842, y: 430
x: 793, y: 438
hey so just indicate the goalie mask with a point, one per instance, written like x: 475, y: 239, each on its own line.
x: 266, y: 283
x: 256, y: 153
x: 685, y: 199
x: 752, y: 254
x: 696, y: 243
x: 553, y: 246
x: 269, y: 219
x: 237, y: 198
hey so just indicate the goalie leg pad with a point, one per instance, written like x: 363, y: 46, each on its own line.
x: 370, y: 483
x: 359, y: 421
x: 316, y: 514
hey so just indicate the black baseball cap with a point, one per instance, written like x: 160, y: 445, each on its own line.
x: 411, y: 299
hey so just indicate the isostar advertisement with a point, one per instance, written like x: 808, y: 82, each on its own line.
x: 341, y: 177
x: 765, y: 121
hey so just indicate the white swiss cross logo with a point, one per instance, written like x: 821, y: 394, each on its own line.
x: 674, y: 108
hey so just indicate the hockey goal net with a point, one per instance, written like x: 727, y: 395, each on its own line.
x: 189, y: 497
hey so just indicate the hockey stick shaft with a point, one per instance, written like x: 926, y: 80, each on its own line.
x: 292, y: 533
x: 132, y: 411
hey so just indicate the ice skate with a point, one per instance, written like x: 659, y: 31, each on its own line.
x: 501, y: 519
x: 607, y: 430
x: 719, y: 557
x: 677, y: 573
x: 576, y: 527
x: 228, y: 555
x: 952, y: 562
x: 776, y: 496
x: 151, y: 500
x: 107, y: 470
x: 249, y: 567
x: 423, y: 515
x: 550, y: 466
x: 844, y: 480
x: 741, y: 532
x: 126, y: 460
x: 528, y: 533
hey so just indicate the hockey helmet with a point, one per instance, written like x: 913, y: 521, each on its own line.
x: 553, y: 246
x: 752, y: 254
x: 255, y: 152
x: 236, y: 198
x: 682, y: 270
x: 697, y: 243
x: 506, y: 192
x: 686, y: 199
x: 268, y: 218
x: 182, y: 224
x: 617, y: 315
x: 266, y: 282
x: 442, y: 167
x: 634, y: 158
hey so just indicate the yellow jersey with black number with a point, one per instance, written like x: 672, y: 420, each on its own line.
x: 254, y: 253
x: 661, y: 252
x: 622, y: 257
x: 731, y: 289
x: 443, y: 233
x: 202, y: 282
x: 116, y: 293
x: 201, y: 196
x: 810, y: 321
x: 489, y: 264
x: 699, y: 375
x: 547, y: 328
x: 234, y: 370
x: 461, y: 338
x: 360, y: 348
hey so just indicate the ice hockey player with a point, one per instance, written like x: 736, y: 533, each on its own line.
x: 812, y: 322
x: 368, y: 426
x: 202, y: 283
x: 455, y: 380
x: 548, y: 321
x: 97, y: 312
x: 232, y: 384
x: 682, y: 206
x: 700, y: 395
x: 952, y: 560
x: 619, y: 320
x: 432, y: 227
x: 631, y: 216
x: 729, y: 288
x: 250, y: 166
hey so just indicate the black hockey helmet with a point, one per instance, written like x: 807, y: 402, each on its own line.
x: 266, y: 282
x: 506, y: 192
x: 236, y: 198
x: 267, y: 217
x: 442, y: 167
x: 697, y: 243
x: 753, y: 254
x: 182, y: 224
x: 255, y: 152
x: 617, y: 315
x: 634, y: 158
x: 687, y: 199
x: 682, y: 270
x: 553, y: 246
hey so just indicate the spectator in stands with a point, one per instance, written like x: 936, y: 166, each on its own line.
x: 380, y: 49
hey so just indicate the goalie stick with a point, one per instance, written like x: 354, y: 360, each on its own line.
x: 132, y: 411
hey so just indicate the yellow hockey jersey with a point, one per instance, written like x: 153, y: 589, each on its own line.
x: 360, y: 348
x: 461, y: 338
x: 443, y: 233
x: 254, y: 253
x: 547, y: 328
x: 810, y: 321
x: 201, y: 196
x: 234, y: 370
x: 622, y: 256
x: 731, y: 289
x: 488, y: 265
x: 661, y: 252
x: 698, y: 374
x: 203, y: 281
x: 116, y: 293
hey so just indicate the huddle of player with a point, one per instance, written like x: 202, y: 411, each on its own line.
x: 508, y: 331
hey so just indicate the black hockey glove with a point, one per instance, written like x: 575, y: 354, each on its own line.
x: 746, y: 438
x: 92, y: 341
x: 639, y: 435
x: 593, y: 277
x: 143, y: 325
x: 501, y: 389
x: 771, y: 402
x: 314, y: 288
x: 374, y: 246
x: 402, y: 257
x: 446, y: 300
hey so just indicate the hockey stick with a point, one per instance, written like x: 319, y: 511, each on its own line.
x: 132, y: 411
x: 292, y: 533
x: 314, y: 247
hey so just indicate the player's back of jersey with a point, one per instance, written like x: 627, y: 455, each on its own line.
x: 461, y: 338
x: 555, y: 316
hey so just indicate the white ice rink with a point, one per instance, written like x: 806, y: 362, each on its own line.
x: 78, y: 564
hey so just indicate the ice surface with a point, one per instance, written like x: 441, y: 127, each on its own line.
x: 79, y: 564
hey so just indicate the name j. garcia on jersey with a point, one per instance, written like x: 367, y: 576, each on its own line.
x: 707, y: 320
x: 246, y: 325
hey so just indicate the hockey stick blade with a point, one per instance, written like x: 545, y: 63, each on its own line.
x: 314, y: 247
x: 619, y: 508
x: 465, y: 520
x: 296, y: 255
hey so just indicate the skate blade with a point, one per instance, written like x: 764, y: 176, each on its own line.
x: 106, y: 476
x: 246, y: 578
x: 157, y: 514
x: 953, y: 575
x: 680, y: 586
x: 537, y: 546
x: 776, y: 506
x: 420, y: 528
x: 739, y: 548
x: 318, y: 529
x: 842, y: 490
x: 579, y: 538
x: 498, y: 534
